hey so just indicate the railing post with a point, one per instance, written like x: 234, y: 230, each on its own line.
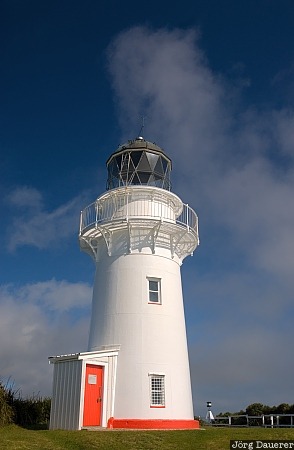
x: 81, y: 222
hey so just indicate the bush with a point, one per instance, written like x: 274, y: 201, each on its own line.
x: 29, y: 412
x: 6, y: 410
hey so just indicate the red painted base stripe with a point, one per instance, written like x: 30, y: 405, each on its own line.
x: 153, y: 424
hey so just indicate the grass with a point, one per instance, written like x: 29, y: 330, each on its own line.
x: 13, y: 437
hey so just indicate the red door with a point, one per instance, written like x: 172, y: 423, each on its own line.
x: 93, y: 395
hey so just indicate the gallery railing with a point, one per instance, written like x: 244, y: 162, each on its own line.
x: 125, y: 208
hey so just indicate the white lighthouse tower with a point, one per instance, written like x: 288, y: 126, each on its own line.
x: 138, y: 232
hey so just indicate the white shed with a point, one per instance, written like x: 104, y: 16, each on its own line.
x: 83, y: 389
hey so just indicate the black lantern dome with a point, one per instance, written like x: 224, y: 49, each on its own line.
x: 139, y: 162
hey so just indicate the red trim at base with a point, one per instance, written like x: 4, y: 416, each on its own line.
x: 153, y: 424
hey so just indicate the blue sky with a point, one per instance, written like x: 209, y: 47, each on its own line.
x: 215, y: 82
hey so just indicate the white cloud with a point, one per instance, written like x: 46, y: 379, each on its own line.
x: 240, y: 329
x: 284, y: 121
x: 164, y: 76
x: 56, y: 295
x: 229, y: 158
x: 247, y: 367
x: 36, y: 321
x: 25, y: 197
x: 234, y: 164
x: 35, y: 226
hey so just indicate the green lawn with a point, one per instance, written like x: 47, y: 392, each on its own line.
x: 13, y: 437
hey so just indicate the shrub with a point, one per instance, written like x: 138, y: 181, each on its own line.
x: 32, y: 411
x: 29, y: 412
x: 6, y: 410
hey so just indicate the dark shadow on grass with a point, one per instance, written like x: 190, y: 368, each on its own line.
x: 35, y: 427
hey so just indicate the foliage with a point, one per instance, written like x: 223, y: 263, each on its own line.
x: 32, y: 411
x: 258, y: 409
x: 6, y: 410
x: 255, y: 409
x: 28, y: 412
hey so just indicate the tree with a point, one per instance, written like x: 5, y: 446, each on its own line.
x: 283, y: 408
x: 255, y: 409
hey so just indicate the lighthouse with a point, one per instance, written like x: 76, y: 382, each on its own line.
x: 135, y: 372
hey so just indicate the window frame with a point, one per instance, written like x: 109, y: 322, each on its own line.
x: 159, y: 392
x: 152, y: 291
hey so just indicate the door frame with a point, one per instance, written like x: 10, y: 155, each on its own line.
x: 104, y: 366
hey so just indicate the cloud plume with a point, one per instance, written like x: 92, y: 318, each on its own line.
x: 233, y: 162
x: 36, y: 321
x: 35, y: 226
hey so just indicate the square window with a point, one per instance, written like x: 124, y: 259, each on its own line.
x: 157, y: 390
x: 153, y: 285
x: 154, y: 295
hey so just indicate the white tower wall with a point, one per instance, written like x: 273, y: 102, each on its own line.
x: 152, y: 337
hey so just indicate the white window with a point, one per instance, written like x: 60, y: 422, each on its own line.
x: 154, y: 294
x: 157, y: 390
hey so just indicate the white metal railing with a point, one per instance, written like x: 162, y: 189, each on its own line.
x: 264, y: 420
x: 125, y: 207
